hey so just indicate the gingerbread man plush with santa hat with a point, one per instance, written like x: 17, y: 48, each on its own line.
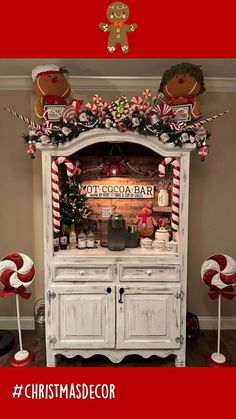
x: 52, y: 90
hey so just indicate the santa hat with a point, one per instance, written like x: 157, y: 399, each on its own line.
x: 42, y: 70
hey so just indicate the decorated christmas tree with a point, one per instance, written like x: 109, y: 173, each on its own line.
x: 73, y: 207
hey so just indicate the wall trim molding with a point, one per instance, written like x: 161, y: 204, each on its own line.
x: 206, y: 323
x: 210, y: 323
x: 84, y: 83
x: 10, y: 323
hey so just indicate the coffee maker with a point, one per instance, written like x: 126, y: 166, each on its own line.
x: 116, y: 232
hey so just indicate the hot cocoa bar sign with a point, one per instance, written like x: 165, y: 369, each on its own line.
x: 119, y: 191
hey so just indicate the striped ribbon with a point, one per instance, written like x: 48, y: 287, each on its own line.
x: 70, y: 170
x: 175, y: 188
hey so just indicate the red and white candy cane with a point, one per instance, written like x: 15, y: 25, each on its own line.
x: 70, y: 170
x: 175, y: 188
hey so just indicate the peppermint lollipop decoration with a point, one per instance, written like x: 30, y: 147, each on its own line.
x: 218, y: 272
x: 17, y: 273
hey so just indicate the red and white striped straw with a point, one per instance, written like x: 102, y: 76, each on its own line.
x: 175, y: 188
x: 70, y: 170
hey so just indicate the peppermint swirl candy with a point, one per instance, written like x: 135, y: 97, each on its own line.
x: 147, y: 93
x: 17, y: 273
x: 136, y: 103
x: 219, y: 274
x: 91, y: 106
x: 119, y: 108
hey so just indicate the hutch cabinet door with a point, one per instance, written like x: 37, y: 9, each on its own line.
x: 148, y: 317
x: 84, y: 317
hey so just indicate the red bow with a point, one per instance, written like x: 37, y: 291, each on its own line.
x: 53, y: 100
x: 115, y: 24
x: 226, y: 292
x: 77, y: 103
x: 190, y: 99
x: 8, y: 290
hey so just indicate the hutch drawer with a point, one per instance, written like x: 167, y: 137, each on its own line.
x: 147, y: 272
x: 82, y: 272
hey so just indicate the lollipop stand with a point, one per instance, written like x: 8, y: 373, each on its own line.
x: 21, y: 358
x: 216, y: 359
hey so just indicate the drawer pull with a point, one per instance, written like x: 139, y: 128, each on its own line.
x: 82, y: 273
x: 108, y: 290
x: 121, y: 291
x: 149, y: 272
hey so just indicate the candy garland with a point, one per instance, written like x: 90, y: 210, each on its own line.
x: 146, y: 114
x: 70, y: 170
x: 175, y: 188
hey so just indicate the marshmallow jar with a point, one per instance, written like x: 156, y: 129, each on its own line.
x: 52, y: 90
x: 181, y: 85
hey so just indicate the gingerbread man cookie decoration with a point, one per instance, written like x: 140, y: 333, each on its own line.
x: 117, y: 13
x: 145, y: 221
x: 181, y: 84
x: 52, y: 89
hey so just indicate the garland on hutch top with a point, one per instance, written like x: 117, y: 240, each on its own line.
x: 173, y: 116
x: 122, y: 114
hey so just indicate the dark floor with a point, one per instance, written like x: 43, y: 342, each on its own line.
x: 197, y: 351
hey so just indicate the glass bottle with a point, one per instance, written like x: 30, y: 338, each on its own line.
x: 63, y: 238
x: 82, y: 240
x: 73, y: 241
x: 90, y: 241
x: 56, y: 242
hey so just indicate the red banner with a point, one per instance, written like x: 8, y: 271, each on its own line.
x: 168, y: 29
x: 113, y: 392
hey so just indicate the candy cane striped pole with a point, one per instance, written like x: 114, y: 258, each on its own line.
x: 175, y: 188
x: 206, y: 120
x: 70, y: 168
x: 23, y: 118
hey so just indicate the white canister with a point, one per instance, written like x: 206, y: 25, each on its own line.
x: 159, y: 245
x: 171, y: 247
x: 163, y: 198
x: 146, y: 243
x: 162, y: 234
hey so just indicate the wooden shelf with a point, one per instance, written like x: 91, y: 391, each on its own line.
x: 161, y: 209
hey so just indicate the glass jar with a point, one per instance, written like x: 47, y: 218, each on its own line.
x: 90, y: 241
x: 103, y: 226
x: 82, y: 240
x: 163, y: 198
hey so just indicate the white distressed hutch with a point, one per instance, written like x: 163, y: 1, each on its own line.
x: 86, y: 311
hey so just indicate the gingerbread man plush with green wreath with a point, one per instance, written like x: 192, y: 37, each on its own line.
x: 181, y: 85
x: 117, y: 13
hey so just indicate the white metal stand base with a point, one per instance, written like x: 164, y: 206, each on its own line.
x: 218, y: 358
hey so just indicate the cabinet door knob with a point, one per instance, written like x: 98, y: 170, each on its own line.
x: 82, y: 273
x: 121, y: 291
x: 149, y: 272
x: 108, y: 290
